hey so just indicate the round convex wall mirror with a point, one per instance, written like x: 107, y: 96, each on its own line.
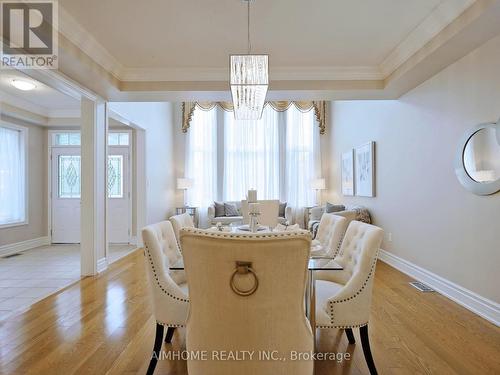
x: 477, y: 163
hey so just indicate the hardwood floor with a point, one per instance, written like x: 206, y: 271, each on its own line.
x: 103, y: 325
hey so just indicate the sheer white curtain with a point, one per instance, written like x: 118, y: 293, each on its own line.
x: 201, y: 161
x: 303, y: 160
x: 12, y: 176
x: 252, y: 156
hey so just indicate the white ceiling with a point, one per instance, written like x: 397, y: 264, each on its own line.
x: 295, y: 33
x: 42, y: 100
x: 176, y: 50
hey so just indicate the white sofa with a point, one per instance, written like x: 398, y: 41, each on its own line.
x: 226, y: 220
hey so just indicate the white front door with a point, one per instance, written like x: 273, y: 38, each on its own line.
x: 66, y: 185
x: 66, y: 173
x: 119, y: 219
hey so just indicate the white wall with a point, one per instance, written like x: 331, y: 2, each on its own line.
x: 179, y: 149
x: 435, y: 223
x: 157, y: 120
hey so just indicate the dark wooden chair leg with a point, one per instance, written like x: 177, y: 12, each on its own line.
x: 350, y: 336
x: 156, y: 349
x: 170, y: 333
x: 363, y: 331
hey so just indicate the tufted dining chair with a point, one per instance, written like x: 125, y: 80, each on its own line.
x: 343, y: 298
x: 233, y: 311
x: 330, y: 235
x: 168, y: 288
x: 181, y: 221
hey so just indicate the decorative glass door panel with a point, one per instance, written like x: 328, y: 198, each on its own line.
x: 69, y: 176
x: 115, y: 176
x: 66, y: 194
x: 119, y: 218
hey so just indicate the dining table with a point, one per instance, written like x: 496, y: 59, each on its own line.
x: 315, y: 263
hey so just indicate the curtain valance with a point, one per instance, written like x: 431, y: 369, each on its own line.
x: 280, y: 106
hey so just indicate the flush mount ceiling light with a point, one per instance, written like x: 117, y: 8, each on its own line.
x: 23, y: 85
x: 249, y: 80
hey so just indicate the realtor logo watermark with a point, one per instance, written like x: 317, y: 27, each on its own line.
x: 29, y: 34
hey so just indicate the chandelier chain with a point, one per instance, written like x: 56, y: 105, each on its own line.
x: 248, y: 27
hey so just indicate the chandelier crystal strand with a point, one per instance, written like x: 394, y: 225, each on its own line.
x: 249, y: 81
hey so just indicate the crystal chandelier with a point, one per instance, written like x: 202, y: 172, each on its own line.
x: 249, y: 81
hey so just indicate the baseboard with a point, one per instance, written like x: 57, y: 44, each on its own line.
x: 479, y: 305
x: 18, y: 247
x: 102, y: 264
x: 133, y: 240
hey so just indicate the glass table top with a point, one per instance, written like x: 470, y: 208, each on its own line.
x: 315, y: 264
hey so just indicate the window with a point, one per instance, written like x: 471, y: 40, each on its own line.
x: 115, y: 176
x: 12, y: 175
x: 69, y: 176
x: 252, y: 156
x: 118, y: 139
x: 74, y: 139
x: 67, y: 139
x: 278, y: 155
x: 201, y: 159
x: 303, y: 161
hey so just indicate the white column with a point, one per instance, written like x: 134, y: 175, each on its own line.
x: 140, y: 182
x: 94, y: 129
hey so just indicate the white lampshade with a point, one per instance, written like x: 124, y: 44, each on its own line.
x: 184, y: 183
x: 318, y: 184
x: 249, y: 81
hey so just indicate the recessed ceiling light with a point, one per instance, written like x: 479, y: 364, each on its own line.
x: 23, y: 85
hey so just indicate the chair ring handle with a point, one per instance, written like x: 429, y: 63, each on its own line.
x: 243, y: 268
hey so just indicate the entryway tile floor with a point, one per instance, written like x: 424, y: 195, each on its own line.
x: 37, y: 273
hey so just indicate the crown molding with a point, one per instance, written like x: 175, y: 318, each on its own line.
x: 444, y: 14
x: 21, y: 113
x: 64, y: 113
x: 18, y: 102
x: 335, y: 73
x: 63, y: 122
x: 79, y: 36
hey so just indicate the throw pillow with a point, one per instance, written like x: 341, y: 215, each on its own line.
x: 282, y: 209
x: 219, y: 209
x: 334, y: 208
x: 231, y: 209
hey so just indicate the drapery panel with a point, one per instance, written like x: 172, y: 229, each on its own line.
x: 201, y: 162
x: 12, y: 177
x: 302, y: 160
x: 280, y: 106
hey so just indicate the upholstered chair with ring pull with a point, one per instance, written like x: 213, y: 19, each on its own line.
x: 168, y: 288
x: 343, y: 298
x: 247, y: 295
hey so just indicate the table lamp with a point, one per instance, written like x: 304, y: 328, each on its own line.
x: 318, y: 184
x: 184, y: 184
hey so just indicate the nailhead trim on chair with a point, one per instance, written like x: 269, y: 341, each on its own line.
x: 249, y: 235
x: 146, y: 250
x: 358, y: 292
x: 339, y: 246
x: 170, y: 325
x: 343, y: 327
